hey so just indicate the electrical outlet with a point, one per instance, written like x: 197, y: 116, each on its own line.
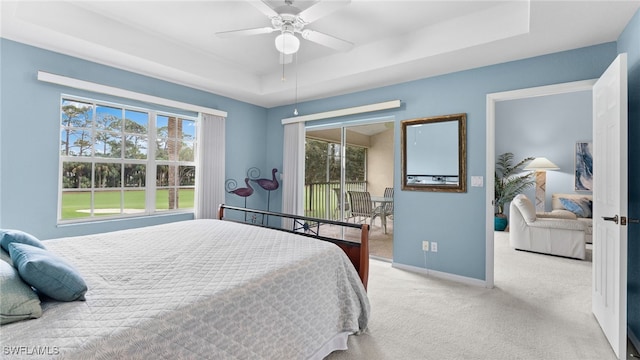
x: 425, y: 246
x: 434, y: 246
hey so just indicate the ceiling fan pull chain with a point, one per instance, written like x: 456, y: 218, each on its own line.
x: 295, y: 109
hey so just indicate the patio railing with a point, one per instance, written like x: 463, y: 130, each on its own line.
x: 321, y: 201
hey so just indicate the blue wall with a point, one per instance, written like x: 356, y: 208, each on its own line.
x: 29, y: 143
x: 629, y: 42
x: 455, y: 221
x: 546, y: 126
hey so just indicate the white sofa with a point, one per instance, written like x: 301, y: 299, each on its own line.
x: 559, y: 211
x: 555, y: 236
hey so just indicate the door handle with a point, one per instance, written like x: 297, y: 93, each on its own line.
x: 623, y: 220
x: 614, y: 219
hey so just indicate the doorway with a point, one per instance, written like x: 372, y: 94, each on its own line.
x: 492, y: 99
x: 345, y: 157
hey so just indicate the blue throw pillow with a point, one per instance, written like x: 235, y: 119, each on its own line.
x: 8, y: 236
x: 48, y: 273
x: 581, y: 207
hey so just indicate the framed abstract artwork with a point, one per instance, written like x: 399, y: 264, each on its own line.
x: 584, y: 166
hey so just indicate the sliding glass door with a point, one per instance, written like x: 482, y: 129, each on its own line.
x: 332, y: 167
x: 352, y: 157
x: 342, y: 158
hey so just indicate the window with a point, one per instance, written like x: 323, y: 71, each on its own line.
x: 176, y: 170
x: 107, y: 165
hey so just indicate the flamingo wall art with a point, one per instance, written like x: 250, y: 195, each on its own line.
x: 268, y: 184
x: 231, y: 186
x: 253, y: 174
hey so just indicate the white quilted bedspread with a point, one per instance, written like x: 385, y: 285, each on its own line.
x: 201, y: 289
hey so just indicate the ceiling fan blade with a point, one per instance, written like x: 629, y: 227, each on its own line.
x: 327, y: 40
x: 264, y: 8
x: 321, y: 9
x: 245, y: 32
x: 286, y: 59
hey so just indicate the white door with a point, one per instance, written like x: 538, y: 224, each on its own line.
x: 609, y: 293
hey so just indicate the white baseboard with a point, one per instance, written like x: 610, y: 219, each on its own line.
x: 441, y: 275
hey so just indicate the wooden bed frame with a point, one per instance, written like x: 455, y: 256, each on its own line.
x: 358, y: 252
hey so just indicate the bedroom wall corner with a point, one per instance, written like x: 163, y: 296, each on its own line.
x: 30, y: 135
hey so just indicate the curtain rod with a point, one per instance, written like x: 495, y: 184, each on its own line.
x: 110, y: 90
x: 343, y: 112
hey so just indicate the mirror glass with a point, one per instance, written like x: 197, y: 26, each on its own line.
x: 434, y: 153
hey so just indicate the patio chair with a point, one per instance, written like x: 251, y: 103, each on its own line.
x: 345, y: 204
x: 388, y: 208
x: 362, y: 206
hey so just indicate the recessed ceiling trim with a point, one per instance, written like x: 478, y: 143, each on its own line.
x: 114, y: 91
x: 497, y: 23
x: 395, y: 41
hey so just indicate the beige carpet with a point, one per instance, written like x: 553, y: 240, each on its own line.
x: 539, y: 309
x: 381, y: 244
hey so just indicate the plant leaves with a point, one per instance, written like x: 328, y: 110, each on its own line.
x: 507, y: 183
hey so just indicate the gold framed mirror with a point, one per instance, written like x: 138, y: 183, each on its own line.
x: 434, y: 153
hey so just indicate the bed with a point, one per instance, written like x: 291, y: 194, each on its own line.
x: 204, y: 289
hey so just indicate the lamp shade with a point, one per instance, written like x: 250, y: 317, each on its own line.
x: 287, y: 43
x: 541, y: 164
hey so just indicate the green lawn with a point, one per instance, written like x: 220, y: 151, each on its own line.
x: 76, y: 204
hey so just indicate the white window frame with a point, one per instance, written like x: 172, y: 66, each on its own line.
x: 151, y: 163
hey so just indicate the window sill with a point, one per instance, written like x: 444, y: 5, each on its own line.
x: 188, y: 214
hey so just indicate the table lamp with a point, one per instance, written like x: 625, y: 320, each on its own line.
x: 540, y: 165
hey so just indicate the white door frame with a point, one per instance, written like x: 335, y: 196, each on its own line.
x: 492, y: 99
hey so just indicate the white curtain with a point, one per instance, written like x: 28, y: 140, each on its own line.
x: 293, y: 170
x: 210, y: 180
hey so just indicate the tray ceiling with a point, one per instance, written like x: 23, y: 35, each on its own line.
x: 395, y: 41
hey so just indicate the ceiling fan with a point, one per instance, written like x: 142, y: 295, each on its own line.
x: 289, y: 20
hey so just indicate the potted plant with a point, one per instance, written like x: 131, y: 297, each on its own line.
x: 508, y: 183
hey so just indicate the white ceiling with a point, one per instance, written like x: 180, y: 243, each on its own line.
x: 395, y: 41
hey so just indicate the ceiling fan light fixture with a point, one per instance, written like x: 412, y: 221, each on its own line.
x: 287, y: 43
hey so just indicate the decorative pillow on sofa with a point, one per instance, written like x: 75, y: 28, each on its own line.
x: 48, y: 273
x: 581, y: 207
x: 8, y: 236
x: 17, y: 300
